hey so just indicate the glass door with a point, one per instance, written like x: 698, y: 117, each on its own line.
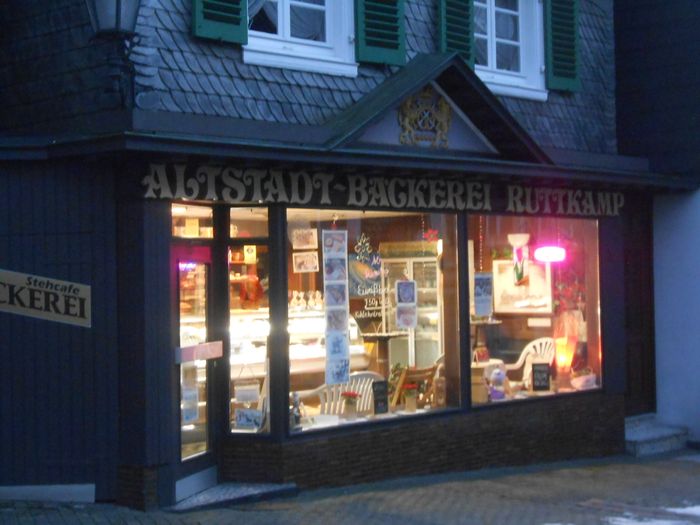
x: 193, y: 265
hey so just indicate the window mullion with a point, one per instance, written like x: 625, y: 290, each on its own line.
x: 284, y: 18
x: 491, y: 41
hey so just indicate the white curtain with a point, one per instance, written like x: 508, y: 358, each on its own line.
x: 306, y: 23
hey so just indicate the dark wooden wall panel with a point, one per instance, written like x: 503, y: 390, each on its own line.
x: 658, y: 78
x: 58, y: 401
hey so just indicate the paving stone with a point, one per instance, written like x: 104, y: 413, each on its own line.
x: 620, y: 490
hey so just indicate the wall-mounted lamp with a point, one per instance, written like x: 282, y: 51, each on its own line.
x: 115, y: 21
x: 113, y: 18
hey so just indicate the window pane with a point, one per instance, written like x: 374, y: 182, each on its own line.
x: 263, y: 16
x: 535, y: 327
x: 192, y: 221
x: 249, y: 328
x: 248, y: 222
x: 192, y: 281
x: 507, y: 27
x: 507, y: 57
x: 480, y: 25
x: 481, y: 57
x: 193, y: 409
x: 309, y: 24
x: 373, y: 313
x: 507, y: 4
x: 192, y: 290
x: 249, y: 321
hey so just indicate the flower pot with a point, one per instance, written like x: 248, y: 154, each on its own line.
x: 350, y: 410
x: 410, y: 403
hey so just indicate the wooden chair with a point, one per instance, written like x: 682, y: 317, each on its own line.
x: 541, y: 349
x: 419, y: 376
x: 330, y: 396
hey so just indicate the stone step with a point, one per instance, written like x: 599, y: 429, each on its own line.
x: 645, y: 436
x: 226, y: 494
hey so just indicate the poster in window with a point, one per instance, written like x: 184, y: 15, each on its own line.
x: 337, y: 371
x: 483, y: 294
x: 406, y: 316
x: 248, y: 418
x: 335, y: 269
x: 406, y: 292
x: 250, y: 255
x: 305, y: 262
x: 304, y: 239
x: 337, y: 345
x: 335, y: 294
x: 337, y: 305
x: 335, y: 242
x: 190, y: 405
x: 531, y: 297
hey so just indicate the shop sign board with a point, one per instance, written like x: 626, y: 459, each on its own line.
x: 45, y: 298
x: 299, y: 188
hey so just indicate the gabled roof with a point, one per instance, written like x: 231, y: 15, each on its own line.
x: 461, y: 85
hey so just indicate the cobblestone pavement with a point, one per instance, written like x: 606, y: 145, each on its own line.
x: 613, y: 491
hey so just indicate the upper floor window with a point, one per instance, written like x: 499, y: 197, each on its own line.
x: 509, y: 47
x: 310, y: 35
x: 323, y: 36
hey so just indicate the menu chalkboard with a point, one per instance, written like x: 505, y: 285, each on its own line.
x: 380, y: 391
x: 540, y: 377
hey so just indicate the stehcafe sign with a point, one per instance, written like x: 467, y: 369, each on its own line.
x: 235, y: 185
x: 45, y: 298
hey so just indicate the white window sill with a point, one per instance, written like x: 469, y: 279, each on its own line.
x: 318, y: 57
x: 508, y: 90
x: 513, y: 85
x: 316, y: 64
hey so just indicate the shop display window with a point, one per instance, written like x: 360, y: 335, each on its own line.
x: 249, y: 309
x: 373, y: 315
x: 534, y: 307
x: 192, y: 222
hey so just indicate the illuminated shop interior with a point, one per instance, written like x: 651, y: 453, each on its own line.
x: 373, y: 308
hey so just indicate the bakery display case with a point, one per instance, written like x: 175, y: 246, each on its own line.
x: 421, y: 345
x: 307, y: 350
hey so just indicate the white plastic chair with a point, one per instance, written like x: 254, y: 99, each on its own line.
x: 331, y: 400
x: 539, y: 350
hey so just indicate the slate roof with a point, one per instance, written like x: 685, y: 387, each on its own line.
x: 50, y: 72
x: 178, y: 73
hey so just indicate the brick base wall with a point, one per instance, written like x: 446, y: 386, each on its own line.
x: 575, y: 426
x: 137, y: 487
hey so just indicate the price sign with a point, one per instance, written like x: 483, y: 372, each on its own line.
x: 540, y: 377
x: 380, y: 391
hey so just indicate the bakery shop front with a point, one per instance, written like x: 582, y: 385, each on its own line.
x: 331, y: 326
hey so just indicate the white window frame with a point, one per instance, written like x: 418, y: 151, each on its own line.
x: 530, y: 81
x: 335, y: 57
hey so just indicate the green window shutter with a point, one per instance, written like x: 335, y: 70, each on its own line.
x: 225, y: 20
x: 562, y: 49
x: 457, y: 28
x: 380, y: 33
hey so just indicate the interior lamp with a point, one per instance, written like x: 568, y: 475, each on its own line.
x: 549, y: 254
x: 565, y: 348
x: 518, y: 240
